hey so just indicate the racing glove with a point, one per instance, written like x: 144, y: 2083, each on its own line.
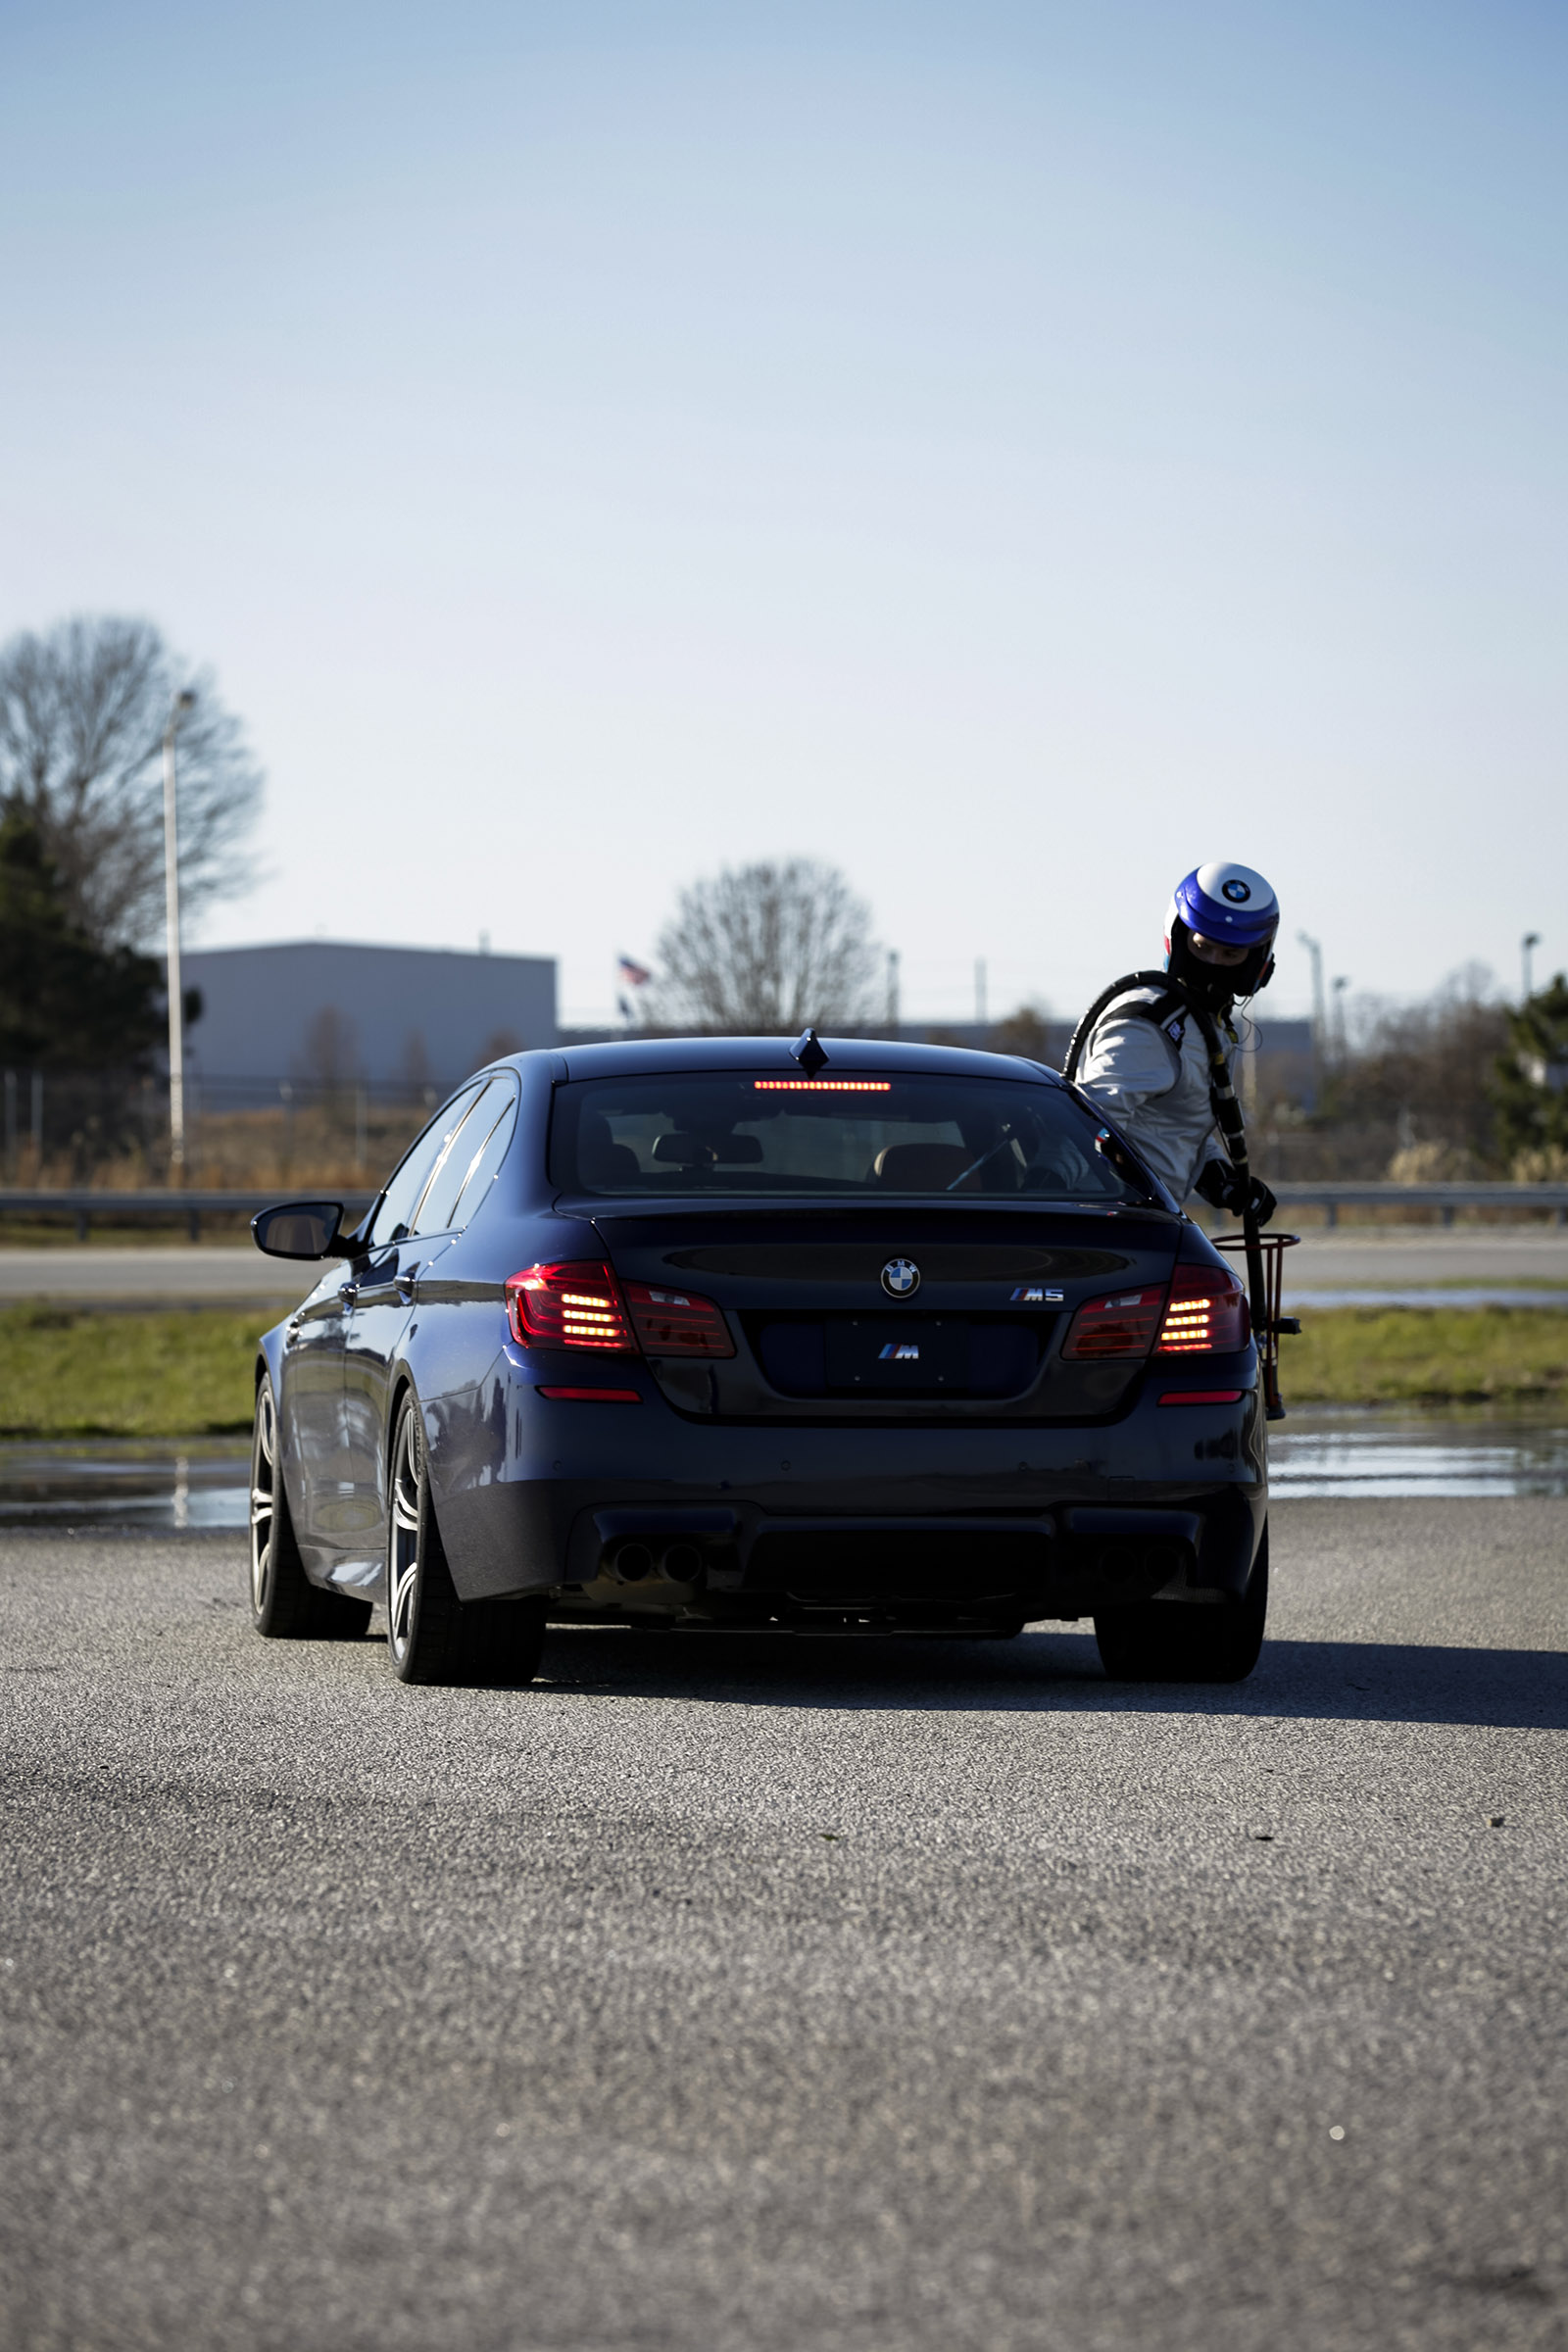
x: 1225, y: 1187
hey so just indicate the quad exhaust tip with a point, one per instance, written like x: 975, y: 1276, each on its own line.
x: 680, y: 1563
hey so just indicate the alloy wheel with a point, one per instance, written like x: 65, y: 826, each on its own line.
x: 264, y: 1497
x: 403, y: 1545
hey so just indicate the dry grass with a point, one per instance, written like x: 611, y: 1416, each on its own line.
x: 255, y: 1149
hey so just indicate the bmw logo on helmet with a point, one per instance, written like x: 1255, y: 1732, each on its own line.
x: 901, y: 1278
x: 1225, y: 901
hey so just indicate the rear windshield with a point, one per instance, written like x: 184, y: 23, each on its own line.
x: 727, y: 1133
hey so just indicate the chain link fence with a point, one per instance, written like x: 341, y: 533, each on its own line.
x: 110, y: 1129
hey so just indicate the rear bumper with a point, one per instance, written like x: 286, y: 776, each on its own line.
x: 637, y: 1509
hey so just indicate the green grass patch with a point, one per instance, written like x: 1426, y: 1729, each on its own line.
x: 1426, y: 1356
x: 81, y: 1373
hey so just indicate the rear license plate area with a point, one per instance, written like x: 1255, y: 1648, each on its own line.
x: 894, y: 1355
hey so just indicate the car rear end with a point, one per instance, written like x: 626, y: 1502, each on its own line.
x: 914, y: 1343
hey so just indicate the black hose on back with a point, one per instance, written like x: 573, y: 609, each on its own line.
x: 1107, y: 996
x: 1233, y: 1134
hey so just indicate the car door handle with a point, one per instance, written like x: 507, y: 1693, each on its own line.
x: 348, y: 1291
x: 408, y: 1283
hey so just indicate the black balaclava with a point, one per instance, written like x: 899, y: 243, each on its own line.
x: 1216, y: 986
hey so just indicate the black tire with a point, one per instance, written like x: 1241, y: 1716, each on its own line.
x: 1168, y: 1642
x: 284, y: 1603
x: 432, y: 1637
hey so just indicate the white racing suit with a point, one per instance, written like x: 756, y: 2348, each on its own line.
x: 1151, y: 1077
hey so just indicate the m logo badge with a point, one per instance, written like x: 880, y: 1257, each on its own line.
x: 901, y: 1278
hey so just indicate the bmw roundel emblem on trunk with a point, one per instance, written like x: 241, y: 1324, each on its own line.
x: 901, y: 1278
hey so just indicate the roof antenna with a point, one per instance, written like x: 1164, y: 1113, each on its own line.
x: 809, y: 1053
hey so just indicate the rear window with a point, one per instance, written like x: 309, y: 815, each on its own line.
x: 731, y: 1133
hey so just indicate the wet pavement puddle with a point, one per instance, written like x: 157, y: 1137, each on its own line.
x: 1324, y: 1452
x: 1367, y: 1451
x: 124, y: 1483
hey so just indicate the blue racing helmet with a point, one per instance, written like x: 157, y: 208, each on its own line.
x: 1231, y: 904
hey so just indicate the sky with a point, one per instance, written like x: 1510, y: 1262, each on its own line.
x: 1014, y: 453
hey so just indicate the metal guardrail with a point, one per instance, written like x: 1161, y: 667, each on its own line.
x: 1331, y: 1197
x: 84, y: 1203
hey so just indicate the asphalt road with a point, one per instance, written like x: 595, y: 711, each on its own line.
x: 1389, y: 1256
x: 178, y: 1274
x: 719, y: 1992
x: 171, y: 1272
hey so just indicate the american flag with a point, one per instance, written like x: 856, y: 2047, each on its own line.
x: 635, y: 975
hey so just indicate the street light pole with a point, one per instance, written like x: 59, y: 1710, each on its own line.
x: 1530, y: 941
x: 176, y: 998
x: 1319, y: 1017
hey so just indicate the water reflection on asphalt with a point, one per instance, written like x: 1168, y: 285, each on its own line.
x: 126, y: 1483
x: 1320, y: 1450
x: 1365, y: 1452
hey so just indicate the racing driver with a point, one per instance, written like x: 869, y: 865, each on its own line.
x: 1144, y: 1059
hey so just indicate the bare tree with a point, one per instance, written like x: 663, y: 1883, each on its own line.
x: 331, y: 1049
x: 414, y: 1072
x: 83, y: 712
x: 1428, y: 1069
x: 1026, y: 1032
x: 768, y: 948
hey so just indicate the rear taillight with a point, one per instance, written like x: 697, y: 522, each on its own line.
x: 582, y: 1305
x: 677, y: 1322
x: 1206, y: 1315
x: 1122, y: 1323
x: 574, y: 1305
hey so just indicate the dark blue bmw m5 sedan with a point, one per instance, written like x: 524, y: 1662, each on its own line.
x: 832, y: 1337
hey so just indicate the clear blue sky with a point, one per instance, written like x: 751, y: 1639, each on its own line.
x: 1014, y: 452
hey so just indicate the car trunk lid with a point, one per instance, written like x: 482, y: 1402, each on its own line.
x: 945, y: 1313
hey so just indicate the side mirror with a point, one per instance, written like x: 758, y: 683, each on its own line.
x: 299, y: 1229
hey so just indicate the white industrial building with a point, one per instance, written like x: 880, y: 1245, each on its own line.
x: 321, y: 1011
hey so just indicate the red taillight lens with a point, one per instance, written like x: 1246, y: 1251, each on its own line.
x: 1123, y: 1323
x: 1206, y: 1315
x: 677, y: 1322
x: 573, y: 1306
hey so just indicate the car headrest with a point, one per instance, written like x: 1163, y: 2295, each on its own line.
x: 601, y: 1160
x: 921, y: 1167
